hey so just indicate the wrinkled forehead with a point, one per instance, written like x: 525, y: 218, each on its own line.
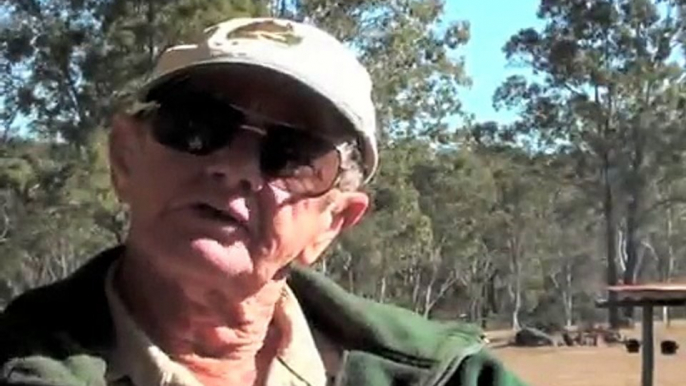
x: 274, y: 96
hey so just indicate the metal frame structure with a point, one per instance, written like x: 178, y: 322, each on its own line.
x: 646, y: 296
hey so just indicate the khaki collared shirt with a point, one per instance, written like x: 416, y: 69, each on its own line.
x: 137, y: 361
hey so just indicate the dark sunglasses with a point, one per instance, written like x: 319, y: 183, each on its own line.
x: 291, y: 159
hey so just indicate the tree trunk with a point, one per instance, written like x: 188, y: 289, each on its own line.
x: 635, y: 185
x: 417, y: 285
x: 568, y: 297
x: 427, y: 299
x: 151, y: 32
x: 669, y: 266
x: 492, y: 296
x: 382, y: 290
x: 324, y: 269
x: 631, y: 250
x: 485, y: 310
x: 517, y: 291
x: 517, y: 306
x: 610, y: 241
x: 429, y: 294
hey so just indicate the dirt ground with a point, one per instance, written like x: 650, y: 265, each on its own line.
x: 598, y: 366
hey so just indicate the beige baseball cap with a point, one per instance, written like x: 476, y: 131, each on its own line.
x: 304, y: 52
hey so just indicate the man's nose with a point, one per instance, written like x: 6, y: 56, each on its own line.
x: 238, y: 164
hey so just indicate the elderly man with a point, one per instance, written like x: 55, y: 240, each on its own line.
x: 239, y: 166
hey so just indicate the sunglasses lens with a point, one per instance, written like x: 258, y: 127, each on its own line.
x: 197, y: 127
x: 298, y: 162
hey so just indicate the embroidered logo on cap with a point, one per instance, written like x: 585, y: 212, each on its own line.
x: 269, y: 29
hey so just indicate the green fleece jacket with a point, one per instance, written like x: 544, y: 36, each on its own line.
x: 60, y: 335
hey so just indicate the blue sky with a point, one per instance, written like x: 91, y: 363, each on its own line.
x: 492, y: 23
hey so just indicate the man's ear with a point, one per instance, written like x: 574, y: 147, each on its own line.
x: 122, y: 143
x: 345, y: 212
x: 350, y: 208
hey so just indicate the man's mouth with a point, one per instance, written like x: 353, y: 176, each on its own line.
x: 211, y: 213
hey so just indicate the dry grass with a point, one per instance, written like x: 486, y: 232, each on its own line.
x: 597, y: 366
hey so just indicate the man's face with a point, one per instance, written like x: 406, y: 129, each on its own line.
x: 216, y: 217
